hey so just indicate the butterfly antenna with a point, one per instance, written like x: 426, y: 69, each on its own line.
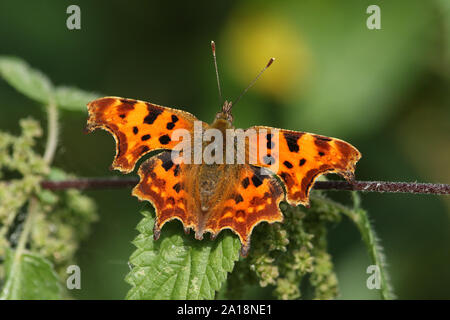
x: 254, y: 80
x: 213, y: 47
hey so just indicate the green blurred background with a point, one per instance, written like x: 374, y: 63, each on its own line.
x: 385, y: 91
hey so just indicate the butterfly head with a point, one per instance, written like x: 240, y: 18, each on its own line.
x: 224, y: 118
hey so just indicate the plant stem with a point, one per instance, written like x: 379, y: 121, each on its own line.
x: 52, y: 134
x: 364, y: 186
x: 385, y: 186
x: 374, y: 249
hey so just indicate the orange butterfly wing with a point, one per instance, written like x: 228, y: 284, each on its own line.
x: 162, y: 183
x: 298, y: 158
x: 137, y: 126
x: 252, y: 197
x: 244, y: 197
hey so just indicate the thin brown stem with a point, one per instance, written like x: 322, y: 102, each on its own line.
x: 364, y: 186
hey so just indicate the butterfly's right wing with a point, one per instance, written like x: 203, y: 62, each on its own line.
x: 138, y: 127
x: 298, y: 158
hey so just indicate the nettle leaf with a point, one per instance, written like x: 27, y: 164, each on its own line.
x: 177, y: 266
x: 32, y: 83
x: 31, y: 278
x: 74, y: 99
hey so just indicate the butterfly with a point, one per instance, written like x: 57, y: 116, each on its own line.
x: 210, y: 197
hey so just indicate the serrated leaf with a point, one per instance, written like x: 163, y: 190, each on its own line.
x: 32, y: 83
x: 32, y: 278
x: 177, y: 266
x: 74, y: 99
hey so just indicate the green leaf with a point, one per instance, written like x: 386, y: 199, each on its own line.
x: 177, y: 266
x: 32, y: 278
x: 74, y: 99
x: 32, y: 83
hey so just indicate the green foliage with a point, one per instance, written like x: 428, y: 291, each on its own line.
x: 61, y: 222
x: 35, y: 85
x: 32, y: 278
x: 31, y: 83
x: 74, y: 99
x: 40, y: 230
x: 178, y: 266
x: 283, y: 254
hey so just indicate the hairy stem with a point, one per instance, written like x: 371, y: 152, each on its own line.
x: 374, y: 249
x: 52, y: 134
x: 364, y: 186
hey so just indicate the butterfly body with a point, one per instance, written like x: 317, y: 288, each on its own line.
x: 210, y: 197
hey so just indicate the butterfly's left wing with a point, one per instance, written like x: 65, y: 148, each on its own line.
x: 137, y: 126
x: 298, y: 158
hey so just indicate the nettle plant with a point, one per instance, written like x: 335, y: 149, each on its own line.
x: 44, y: 217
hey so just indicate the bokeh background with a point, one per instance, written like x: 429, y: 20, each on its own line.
x: 385, y: 91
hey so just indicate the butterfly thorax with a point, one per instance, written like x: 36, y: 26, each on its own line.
x: 210, y: 184
x: 224, y: 118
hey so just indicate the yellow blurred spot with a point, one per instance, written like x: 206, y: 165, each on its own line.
x: 251, y: 40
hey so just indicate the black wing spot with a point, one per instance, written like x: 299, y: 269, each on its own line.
x: 288, y: 164
x: 270, y: 143
x: 177, y: 187
x: 245, y: 182
x: 166, y: 160
x: 135, y: 130
x: 153, y: 113
x: 256, y: 181
x: 122, y: 116
x: 321, y: 153
x: 174, y: 118
x: 165, y: 139
x: 302, y: 162
x: 167, y: 164
x: 170, y: 125
x: 292, y: 141
x: 145, y: 137
x: 176, y: 171
x: 238, y: 198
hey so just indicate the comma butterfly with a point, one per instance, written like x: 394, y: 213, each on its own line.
x: 210, y: 197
